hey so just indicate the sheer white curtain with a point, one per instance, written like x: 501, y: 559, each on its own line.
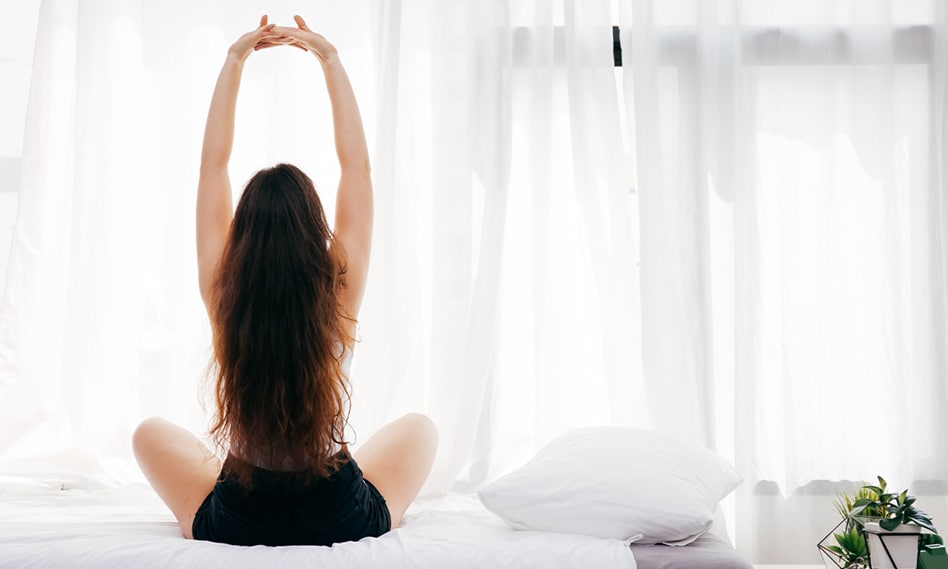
x: 505, y: 230
x: 790, y: 161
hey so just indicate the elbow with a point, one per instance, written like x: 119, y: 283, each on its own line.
x: 214, y: 160
x: 211, y: 167
x: 361, y: 168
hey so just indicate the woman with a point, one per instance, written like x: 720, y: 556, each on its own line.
x: 282, y: 293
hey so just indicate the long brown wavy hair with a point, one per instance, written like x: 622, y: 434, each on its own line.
x: 280, y: 333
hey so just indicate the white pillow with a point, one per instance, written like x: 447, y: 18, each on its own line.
x: 614, y: 482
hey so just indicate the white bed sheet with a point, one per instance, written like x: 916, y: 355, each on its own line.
x: 129, y: 527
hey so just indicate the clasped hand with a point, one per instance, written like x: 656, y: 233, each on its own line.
x: 271, y: 35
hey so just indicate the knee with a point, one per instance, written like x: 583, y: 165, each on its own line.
x: 146, y: 432
x: 422, y: 429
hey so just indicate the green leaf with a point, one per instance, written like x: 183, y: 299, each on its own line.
x: 852, y: 546
x: 889, y: 523
x: 921, y: 517
x: 926, y: 523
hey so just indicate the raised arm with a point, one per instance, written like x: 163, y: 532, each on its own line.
x: 353, y: 225
x: 215, y: 207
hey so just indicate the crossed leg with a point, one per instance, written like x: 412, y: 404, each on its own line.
x: 183, y: 471
x: 397, y: 460
x: 180, y: 468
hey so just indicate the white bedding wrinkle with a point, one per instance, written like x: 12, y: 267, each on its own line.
x: 130, y: 527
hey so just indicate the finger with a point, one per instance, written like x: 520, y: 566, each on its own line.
x: 290, y: 34
x: 286, y: 30
x: 263, y: 20
x: 272, y: 41
x: 282, y: 41
x: 276, y: 38
x: 302, y: 24
x: 267, y: 45
x: 278, y: 34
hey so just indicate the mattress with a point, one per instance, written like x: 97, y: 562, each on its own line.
x: 707, y: 552
x: 129, y: 527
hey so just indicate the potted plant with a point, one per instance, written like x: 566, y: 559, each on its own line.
x: 894, y: 539
x: 878, y: 525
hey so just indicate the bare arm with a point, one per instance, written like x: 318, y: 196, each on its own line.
x: 215, y: 202
x: 353, y: 225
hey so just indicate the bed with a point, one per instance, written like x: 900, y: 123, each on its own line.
x: 707, y: 552
x: 589, y: 499
x: 47, y: 527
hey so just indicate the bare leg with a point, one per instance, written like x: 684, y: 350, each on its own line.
x: 180, y: 468
x: 397, y: 460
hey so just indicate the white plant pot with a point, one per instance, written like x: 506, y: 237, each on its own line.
x: 899, y: 545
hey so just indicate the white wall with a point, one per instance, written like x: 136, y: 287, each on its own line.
x: 17, y: 34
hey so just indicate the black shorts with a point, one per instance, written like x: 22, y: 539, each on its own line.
x: 343, y: 507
